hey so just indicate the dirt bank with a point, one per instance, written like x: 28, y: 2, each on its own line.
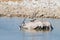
x: 45, y: 9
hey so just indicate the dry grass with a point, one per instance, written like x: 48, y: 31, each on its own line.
x: 10, y: 0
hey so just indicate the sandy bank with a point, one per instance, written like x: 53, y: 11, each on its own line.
x: 45, y: 9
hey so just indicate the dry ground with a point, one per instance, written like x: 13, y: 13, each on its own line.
x: 23, y: 10
x: 10, y: 0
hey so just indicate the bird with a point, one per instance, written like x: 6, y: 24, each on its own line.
x: 37, y: 25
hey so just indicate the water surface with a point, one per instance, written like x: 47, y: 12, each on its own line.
x: 9, y: 30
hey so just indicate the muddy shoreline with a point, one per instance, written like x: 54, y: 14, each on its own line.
x: 27, y: 16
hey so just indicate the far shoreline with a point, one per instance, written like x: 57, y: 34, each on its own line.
x: 27, y: 16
